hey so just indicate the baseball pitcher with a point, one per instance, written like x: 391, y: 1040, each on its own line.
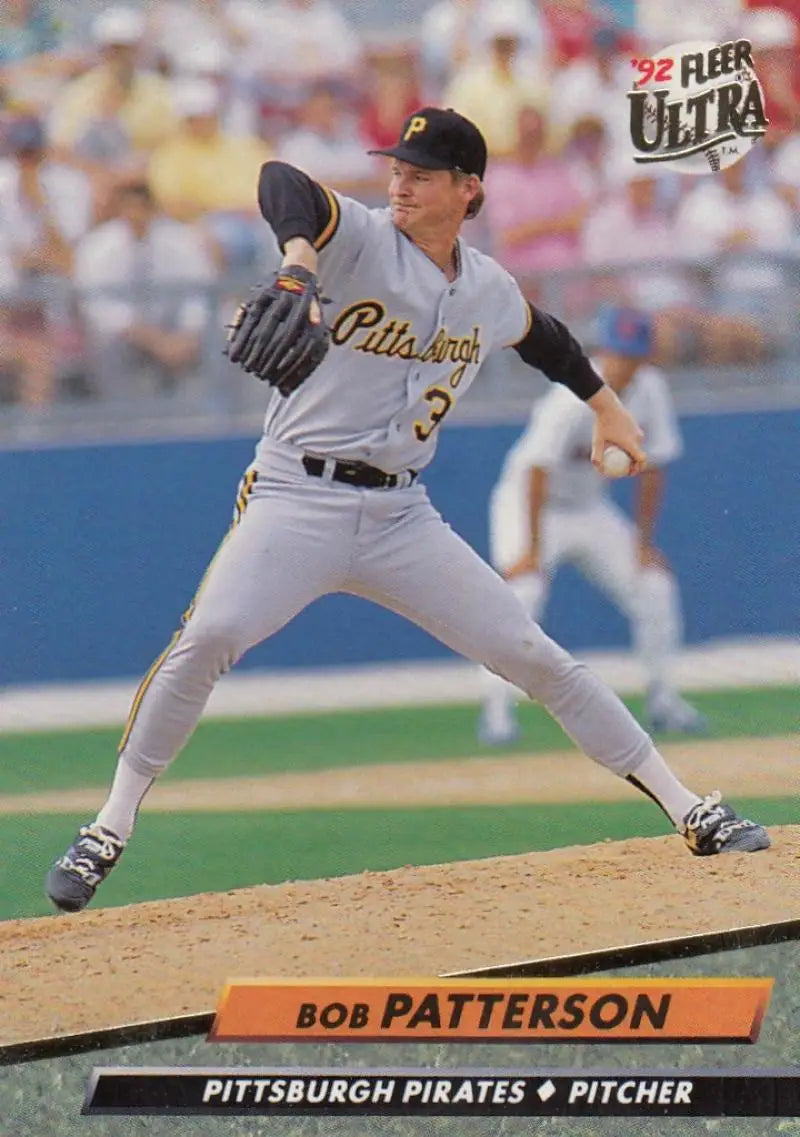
x: 551, y: 506
x: 370, y: 332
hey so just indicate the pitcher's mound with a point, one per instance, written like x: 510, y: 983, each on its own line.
x: 108, y: 967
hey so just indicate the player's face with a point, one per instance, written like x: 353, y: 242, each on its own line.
x: 421, y: 200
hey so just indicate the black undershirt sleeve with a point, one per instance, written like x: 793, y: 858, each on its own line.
x: 295, y: 205
x: 549, y: 346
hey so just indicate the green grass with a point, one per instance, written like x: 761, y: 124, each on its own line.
x: 184, y: 853
x: 79, y: 758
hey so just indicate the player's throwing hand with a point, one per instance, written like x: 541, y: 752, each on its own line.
x: 614, y: 425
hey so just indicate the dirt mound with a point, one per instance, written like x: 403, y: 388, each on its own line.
x: 108, y: 967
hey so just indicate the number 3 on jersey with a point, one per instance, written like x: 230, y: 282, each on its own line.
x: 441, y: 401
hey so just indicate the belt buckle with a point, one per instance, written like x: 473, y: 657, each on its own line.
x: 351, y: 469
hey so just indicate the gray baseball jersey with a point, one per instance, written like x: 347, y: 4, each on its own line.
x: 406, y: 344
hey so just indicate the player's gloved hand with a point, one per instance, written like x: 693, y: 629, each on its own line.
x: 279, y: 334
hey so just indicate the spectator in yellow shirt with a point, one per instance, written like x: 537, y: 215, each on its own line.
x: 492, y: 91
x: 203, y: 173
x: 114, y: 95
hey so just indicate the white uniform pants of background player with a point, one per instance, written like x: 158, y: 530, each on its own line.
x: 601, y: 542
x: 299, y: 538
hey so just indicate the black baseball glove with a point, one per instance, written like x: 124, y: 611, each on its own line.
x: 279, y: 334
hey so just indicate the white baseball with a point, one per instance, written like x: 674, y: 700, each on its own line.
x: 616, y: 463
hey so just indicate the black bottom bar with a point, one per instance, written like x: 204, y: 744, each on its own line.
x: 489, y: 1093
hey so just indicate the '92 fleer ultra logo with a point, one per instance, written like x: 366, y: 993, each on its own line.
x: 697, y: 106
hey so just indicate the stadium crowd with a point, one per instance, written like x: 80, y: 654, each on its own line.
x: 131, y: 139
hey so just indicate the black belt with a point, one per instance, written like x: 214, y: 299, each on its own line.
x: 355, y: 473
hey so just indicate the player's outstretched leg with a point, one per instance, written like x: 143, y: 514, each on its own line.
x: 482, y: 619
x: 245, y: 597
x: 600, y: 723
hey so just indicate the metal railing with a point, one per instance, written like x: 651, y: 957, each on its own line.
x: 93, y: 398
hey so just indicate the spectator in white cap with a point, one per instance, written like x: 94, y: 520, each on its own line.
x: 309, y: 37
x: 328, y: 148
x: 213, y: 61
x: 491, y: 91
x: 202, y: 59
x: 203, y: 173
x: 172, y: 25
x: 115, y: 89
x: 594, y: 85
x: 176, y: 26
x: 298, y: 43
x: 456, y: 32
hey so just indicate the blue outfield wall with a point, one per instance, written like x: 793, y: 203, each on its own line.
x: 103, y: 546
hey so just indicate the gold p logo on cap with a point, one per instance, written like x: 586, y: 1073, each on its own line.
x: 416, y: 126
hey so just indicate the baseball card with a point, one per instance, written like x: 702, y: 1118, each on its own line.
x: 398, y: 709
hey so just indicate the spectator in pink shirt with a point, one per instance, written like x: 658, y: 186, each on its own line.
x: 535, y: 204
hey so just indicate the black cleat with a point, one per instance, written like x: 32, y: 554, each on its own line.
x: 73, y: 879
x: 712, y: 827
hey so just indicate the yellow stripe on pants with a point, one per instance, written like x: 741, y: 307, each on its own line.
x: 243, y: 494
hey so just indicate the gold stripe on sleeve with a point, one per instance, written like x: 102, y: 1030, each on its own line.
x: 528, y: 324
x: 333, y: 222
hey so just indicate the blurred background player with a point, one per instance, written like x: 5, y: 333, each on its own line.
x: 550, y: 506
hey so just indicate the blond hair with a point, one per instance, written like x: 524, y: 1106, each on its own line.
x: 476, y: 203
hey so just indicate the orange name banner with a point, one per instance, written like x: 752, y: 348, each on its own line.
x: 534, y: 1010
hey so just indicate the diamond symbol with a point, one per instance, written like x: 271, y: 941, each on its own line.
x: 546, y: 1090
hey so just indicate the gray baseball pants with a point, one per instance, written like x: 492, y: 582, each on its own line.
x: 297, y: 538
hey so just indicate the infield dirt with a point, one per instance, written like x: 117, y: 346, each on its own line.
x: 115, y: 966
x: 747, y: 767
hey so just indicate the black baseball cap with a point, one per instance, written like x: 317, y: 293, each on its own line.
x: 440, y: 139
